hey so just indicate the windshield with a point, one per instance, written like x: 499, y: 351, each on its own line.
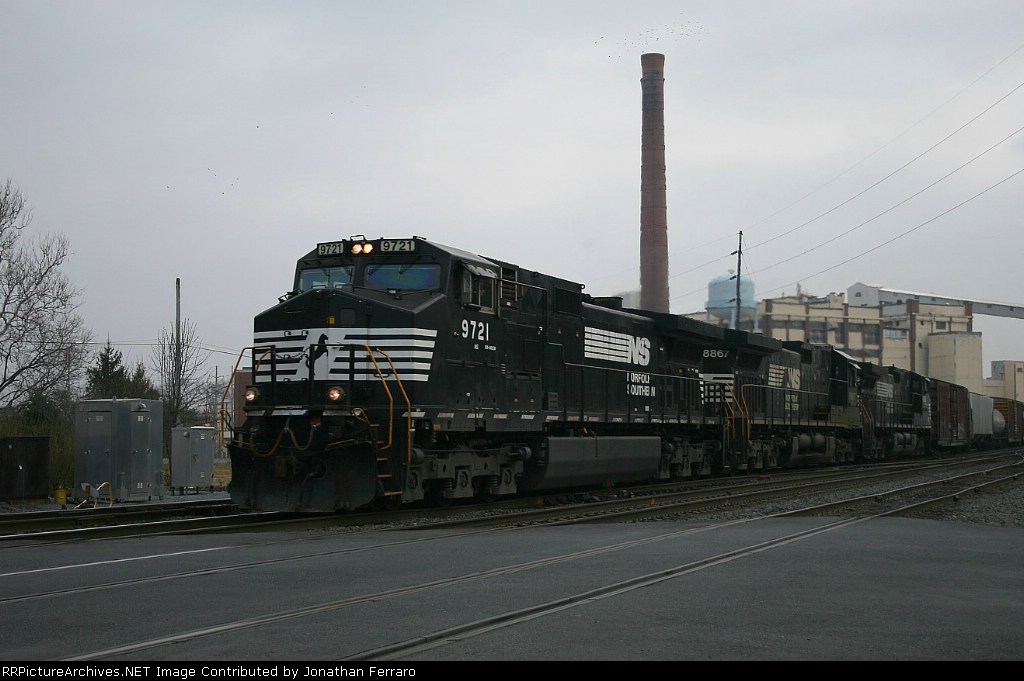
x: 326, y: 277
x: 404, y: 277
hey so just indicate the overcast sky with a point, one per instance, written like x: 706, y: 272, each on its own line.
x: 217, y: 142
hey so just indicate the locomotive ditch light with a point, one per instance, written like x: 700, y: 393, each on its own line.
x: 335, y: 394
x: 251, y: 395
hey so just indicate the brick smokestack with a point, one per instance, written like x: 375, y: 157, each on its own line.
x: 653, y: 210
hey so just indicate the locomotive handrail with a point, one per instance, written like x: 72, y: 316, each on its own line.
x: 891, y: 411
x: 747, y: 414
x: 744, y: 411
x: 391, y: 406
x: 730, y: 416
x: 869, y: 406
x: 391, y: 399
x: 747, y: 411
x: 387, y: 391
x: 767, y: 411
x: 224, y: 413
x: 767, y: 408
x: 606, y: 371
x: 796, y: 391
x: 543, y: 314
x: 866, y: 412
x: 408, y: 405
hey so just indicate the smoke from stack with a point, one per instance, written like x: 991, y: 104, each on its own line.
x: 653, y: 210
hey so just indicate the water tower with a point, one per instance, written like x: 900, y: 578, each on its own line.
x: 722, y: 301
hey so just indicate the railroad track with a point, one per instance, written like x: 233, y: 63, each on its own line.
x: 622, y: 505
x: 436, y: 632
x: 950, y: 484
x: 116, y: 521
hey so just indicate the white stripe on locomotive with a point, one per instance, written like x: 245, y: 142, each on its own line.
x: 411, y: 351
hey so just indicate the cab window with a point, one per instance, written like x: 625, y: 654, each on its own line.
x: 326, y: 277
x: 477, y: 290
x: 403, y: 277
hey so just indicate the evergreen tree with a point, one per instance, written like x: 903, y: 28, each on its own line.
x: 102, y: 380
x: 139, y: 384
x: 110, y: 378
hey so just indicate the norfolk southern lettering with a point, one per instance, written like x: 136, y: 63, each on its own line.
x: 640, y: 385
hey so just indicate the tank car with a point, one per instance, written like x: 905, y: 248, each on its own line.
x: 1012, y: 412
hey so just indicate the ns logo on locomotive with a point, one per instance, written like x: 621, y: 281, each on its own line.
x: 402, y: 370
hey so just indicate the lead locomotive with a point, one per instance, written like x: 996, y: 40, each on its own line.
x: 402, y: 370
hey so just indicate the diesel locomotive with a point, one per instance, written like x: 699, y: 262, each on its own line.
x: 402, y: 370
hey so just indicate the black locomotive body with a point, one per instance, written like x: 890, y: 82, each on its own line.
x: 401, y: 370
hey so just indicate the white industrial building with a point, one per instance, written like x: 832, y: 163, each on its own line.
x: 923, y: 332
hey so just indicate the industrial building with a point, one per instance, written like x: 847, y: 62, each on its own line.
x: 930, y: 334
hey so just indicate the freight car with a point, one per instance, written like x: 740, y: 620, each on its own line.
x: 951, y: 415
x: 988, y: 426
x: 402, y: 370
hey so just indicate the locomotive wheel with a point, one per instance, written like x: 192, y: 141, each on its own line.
x: 388, y: 503
x: 438, y: 498
x: 485, y: 487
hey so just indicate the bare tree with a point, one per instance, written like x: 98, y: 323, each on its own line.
x: 179, y: 366
x: 42, y: 337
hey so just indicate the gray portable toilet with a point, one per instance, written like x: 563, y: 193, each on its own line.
x: 120, y: 442
x: 192, y: 458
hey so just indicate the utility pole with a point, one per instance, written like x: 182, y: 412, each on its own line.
x: 176, y: 381
x: 739, y: 264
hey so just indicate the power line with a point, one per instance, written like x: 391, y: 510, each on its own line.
x: 903, y: 234
x: 860, y: 162
x: 875, y: 184
x: 902, y: 167
x: 892, y: 207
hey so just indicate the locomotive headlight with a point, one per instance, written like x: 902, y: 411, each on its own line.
x: 251, y: 395
x: 357, y: 249
x: 335, y: 394
x: 367, y: 248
